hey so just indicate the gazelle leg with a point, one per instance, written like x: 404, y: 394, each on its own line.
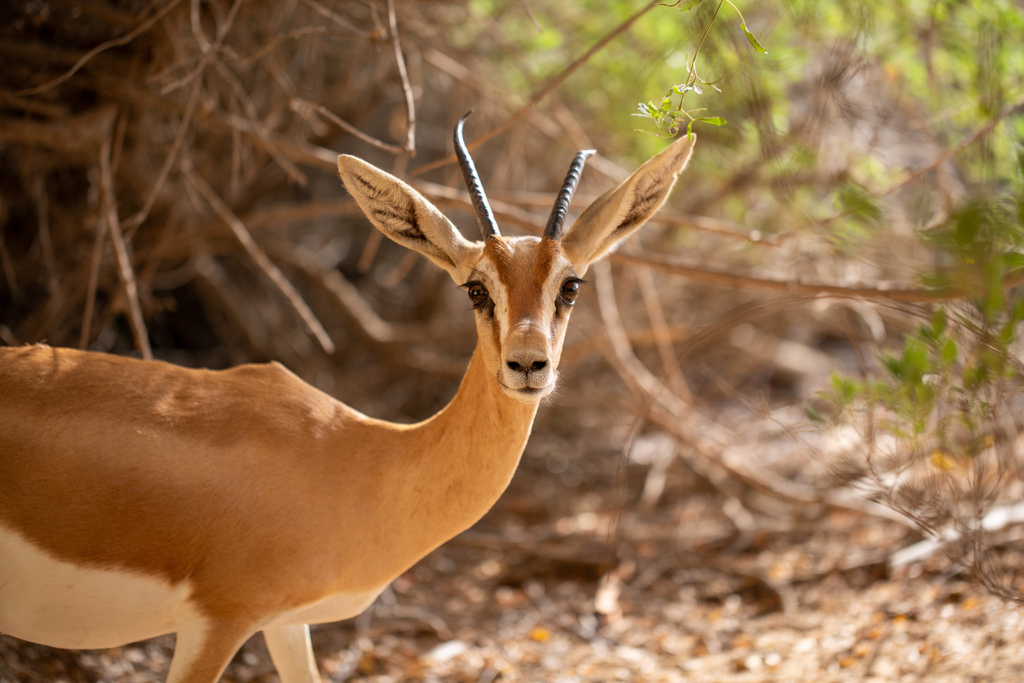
x: 292, y: 652
x: 204, y: 649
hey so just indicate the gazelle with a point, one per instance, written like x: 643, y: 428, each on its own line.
x: 139, y: 498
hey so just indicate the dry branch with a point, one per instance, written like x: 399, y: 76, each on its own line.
x: 371, y: 326
x: 124, y: 266
x: 920, y: 171
x: 94, y: 277
x: 715, y: 450
x: 662, y: 335
x: 881, y: 291
x: 410, y: 106
x: 546, y: 90
x: 116, y: 42
x: 349, y: 128
x: 261, y: 260
x: 77, y: 137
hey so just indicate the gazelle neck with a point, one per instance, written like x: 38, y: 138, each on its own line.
x: 469, y: 450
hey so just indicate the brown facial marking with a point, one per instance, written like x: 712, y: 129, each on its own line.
x: 498, y: 251
x: 523, y: 274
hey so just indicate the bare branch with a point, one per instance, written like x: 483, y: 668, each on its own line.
x: 260, y: 131
x: 186, y: 119
x: 124, y: 266
x: 373, y: 328
x: 410, y: 105
x: 882, y: 291
x: 116, y: 42
x: 298, y: 105
x: 260, y: 258
x: 94, y: 277
x: 328, y: 14
x: 662, y: 334
x: 543, y: 92
x: 939, y: 160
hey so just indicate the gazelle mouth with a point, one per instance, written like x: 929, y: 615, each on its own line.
x: 528, y: 394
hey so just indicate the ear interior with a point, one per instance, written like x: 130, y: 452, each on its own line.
x: 619, y: 212
x: 403, y: 214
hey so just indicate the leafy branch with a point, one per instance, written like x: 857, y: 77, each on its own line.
x: 946, y: 405
x: 669, y: 115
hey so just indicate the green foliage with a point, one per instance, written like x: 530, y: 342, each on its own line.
x: 751, y: 39
x: 669, y: 116
x: 983, y: 243
x: 946, y: 394
x: 887, y: 133
x: 947, y: 380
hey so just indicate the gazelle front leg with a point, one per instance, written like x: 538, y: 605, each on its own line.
x: 292, y: 653
x: 204, y: 649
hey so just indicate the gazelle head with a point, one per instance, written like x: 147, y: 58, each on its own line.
x: 522, y: 288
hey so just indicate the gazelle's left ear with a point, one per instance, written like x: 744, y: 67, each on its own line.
x: 617, y: 213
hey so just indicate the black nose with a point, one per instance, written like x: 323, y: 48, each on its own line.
x: 535, y: 366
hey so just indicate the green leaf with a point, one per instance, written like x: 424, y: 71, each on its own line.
x: 690, y: 5
x: 915, y: 361
x: 894, y: 365
x: 856, y: 201
x: 1006, y: 334
x: 713, y: 120
x: 1017, y: 310
x: 647, y: 109
x: 924, y: 396
x: 939, y: 321
x: 949, y: 351
x: 844, y: 390
x: 993, y: 301
x: 975, y: 376
x: 752, y: 39
x: 1014, y: 260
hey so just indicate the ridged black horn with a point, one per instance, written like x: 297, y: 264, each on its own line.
x: 488, y: 226
x: 553, y: 229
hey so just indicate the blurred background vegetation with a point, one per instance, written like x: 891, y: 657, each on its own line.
x: 825, y: 316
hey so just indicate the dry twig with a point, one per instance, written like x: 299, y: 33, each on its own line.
x: 881, y: 291
x: 186, y: 120
x: 124, y: 266
x: 410, y: 106
x: 357, y: 309
x: 272, y: 272
x: 116, y: 42
x: 349, y: 128
x: 546, y: 90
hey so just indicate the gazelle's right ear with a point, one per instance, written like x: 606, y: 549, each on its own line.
x: 403, y: 214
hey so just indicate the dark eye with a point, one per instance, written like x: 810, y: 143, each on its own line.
x: 570, y: 290
x: 477, y: 294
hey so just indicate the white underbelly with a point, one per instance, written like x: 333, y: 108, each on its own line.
x: 332, y: 608
x: 52, y: 602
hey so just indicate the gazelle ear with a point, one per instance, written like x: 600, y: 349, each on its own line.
x: 617, y: 213
x: 403, y: 214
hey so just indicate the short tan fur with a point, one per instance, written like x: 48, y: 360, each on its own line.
x: 140, y: 498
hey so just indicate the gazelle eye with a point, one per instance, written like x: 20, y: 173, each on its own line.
x: 477, y: 294
x: 570, y: 290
